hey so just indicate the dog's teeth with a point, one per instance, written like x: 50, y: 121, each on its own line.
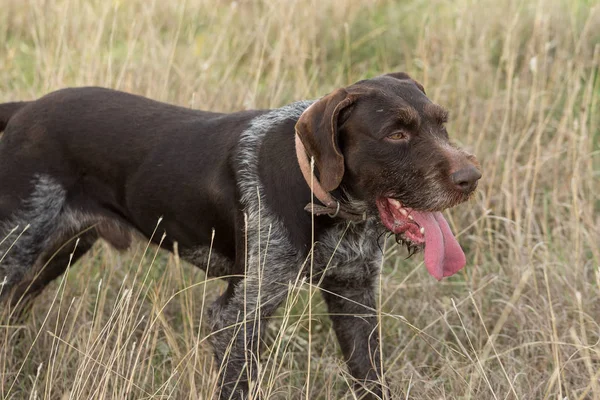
x: 411, y: 218
x: 403, y: 211
x: 395, y: 203
x: 422, y: 230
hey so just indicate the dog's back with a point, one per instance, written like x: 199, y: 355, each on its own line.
x: 8, y: 110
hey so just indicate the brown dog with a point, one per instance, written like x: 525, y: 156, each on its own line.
x: 114, y: 162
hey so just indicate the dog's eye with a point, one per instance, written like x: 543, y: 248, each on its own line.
x: 398, y: 135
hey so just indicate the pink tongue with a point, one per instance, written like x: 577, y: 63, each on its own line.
x: 443, y: 255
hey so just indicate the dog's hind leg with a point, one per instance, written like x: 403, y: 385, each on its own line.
x: 49, y: 266
x: 37, y: 244
x: 25, y: 231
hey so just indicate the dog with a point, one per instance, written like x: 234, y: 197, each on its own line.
x: 305, y: 190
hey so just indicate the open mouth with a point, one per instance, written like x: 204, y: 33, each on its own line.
x: 443, y: 255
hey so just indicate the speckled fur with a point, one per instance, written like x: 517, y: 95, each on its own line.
x: 51, y: 224
x: 34, y: 223
x: 272, y: 263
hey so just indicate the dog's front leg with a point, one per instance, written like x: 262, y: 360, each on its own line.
x: 240, y: 319
x: 352, y: 310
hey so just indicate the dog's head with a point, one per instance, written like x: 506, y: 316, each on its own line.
x: 384, y: 143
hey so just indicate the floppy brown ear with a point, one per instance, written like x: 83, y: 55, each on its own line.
x: 405, y: 76
x: 318, y: 131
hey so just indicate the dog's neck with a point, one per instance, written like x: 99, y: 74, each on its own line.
x: 331, y: 206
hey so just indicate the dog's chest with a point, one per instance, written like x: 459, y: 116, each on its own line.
x: 349, y: 252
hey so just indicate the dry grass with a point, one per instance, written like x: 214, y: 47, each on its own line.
x: 521, y: 81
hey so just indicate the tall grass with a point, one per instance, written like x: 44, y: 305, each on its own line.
x: 521, y: 82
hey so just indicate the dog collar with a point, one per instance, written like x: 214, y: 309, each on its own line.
x: 331, y: 206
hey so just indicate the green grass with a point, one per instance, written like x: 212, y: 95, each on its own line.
x: 521, y: 321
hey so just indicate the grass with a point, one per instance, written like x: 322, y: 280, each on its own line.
x: 521, y: 82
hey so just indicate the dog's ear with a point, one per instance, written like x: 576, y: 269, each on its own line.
x: 318, y: 131
x: 405, y: 76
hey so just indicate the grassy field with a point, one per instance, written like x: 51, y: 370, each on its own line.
x: 520, y: 78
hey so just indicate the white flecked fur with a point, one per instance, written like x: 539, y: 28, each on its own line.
x: 43, y: 225
x: 34, y: 223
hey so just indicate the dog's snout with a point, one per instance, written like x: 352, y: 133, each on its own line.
x: 465, y: 179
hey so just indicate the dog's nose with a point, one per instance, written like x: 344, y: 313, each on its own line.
x: 465, y: 179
